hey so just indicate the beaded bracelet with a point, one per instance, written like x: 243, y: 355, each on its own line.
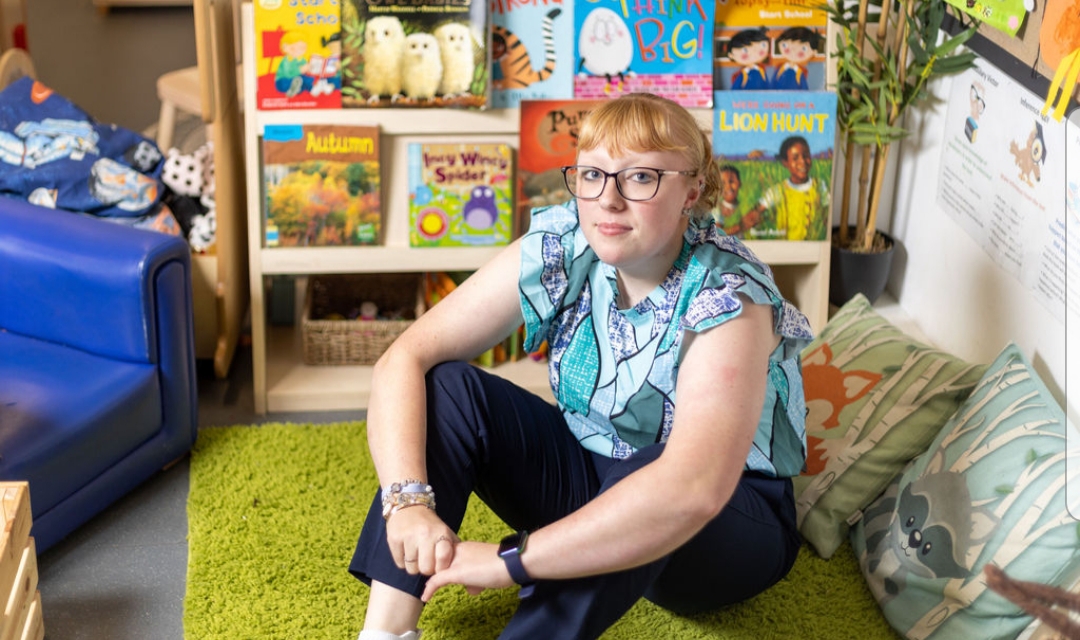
x: 407, y: 493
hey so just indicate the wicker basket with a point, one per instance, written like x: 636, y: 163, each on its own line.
x: 342, y: 341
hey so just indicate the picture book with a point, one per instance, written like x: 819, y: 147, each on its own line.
x: 460, y: 194
x: 530, y: 63
x: 547, y: 142
x: 400, y: 53
x: 777, y: 45
x: 664, y: 48
x: 298, y: 55
x: 321, y: 185
x: 775, y: 151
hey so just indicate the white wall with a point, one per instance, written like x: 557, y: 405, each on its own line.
x: 961, y: 299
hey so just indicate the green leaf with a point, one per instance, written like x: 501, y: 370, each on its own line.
x: 1003, y: 489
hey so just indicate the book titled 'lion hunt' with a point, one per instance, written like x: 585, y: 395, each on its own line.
x: 460, y: 194
x: 322, y: 185
x: 775, y: 151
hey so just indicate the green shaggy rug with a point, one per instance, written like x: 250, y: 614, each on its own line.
x: 274, y: 512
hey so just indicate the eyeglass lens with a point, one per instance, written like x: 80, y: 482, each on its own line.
x: 633, y: 183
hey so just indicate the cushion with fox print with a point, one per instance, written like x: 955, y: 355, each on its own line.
x: 992, y: 489
x: 876, y: 398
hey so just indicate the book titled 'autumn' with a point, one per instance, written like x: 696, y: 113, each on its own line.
x: 460, y: 194
x: 322, y: 185
x: 775, y: 151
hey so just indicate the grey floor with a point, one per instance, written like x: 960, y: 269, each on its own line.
x: 121, y: 576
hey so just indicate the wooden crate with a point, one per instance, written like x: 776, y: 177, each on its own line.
x: 20, y: 617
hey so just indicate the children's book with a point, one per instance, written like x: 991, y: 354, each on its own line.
x: 528, y: 63
x: 402, y: 53
x: 298, y: 55
x: 775, y: 151
x: 460, y: 194
x: 547, y: 141
x: 321, y: 185
x: 664, y: 48
x: 777, y: 45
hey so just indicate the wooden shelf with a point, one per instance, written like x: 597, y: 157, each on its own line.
x: 293, y: 386
x: 281, y: 381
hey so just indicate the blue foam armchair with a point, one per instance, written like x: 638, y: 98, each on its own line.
x: 97, y: 364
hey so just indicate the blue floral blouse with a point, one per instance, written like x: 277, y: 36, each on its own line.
x: 613, y: 372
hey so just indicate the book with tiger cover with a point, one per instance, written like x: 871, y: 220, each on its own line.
x: 775, y: 151
x: 529, y: 63
x: 547, y: 141
x: 297, y: 55
x: 321, y: 185
x: 665, y: 48
x: 778, y: 45
x: 460, y: 194
x: 405, y: 53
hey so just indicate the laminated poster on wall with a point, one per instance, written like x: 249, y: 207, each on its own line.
x: 775, y: 152
x: 772, y: 45
x: 321, y: 185
x: 427, y: 54
x: 460, y: 194
x: 297, y: 55
x: 1003, y: 168
x: 664, y: 48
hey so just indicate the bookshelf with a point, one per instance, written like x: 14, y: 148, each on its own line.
x: 281, y: 381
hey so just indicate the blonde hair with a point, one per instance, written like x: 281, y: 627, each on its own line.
x: 639, y: 122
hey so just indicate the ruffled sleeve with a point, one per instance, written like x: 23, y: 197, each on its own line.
x: 552, y: 268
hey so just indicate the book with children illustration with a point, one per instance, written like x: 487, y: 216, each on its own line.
x: 664, y: 48
x: 321, y: 185
x: 460, y: 194
x: 775, y: 152
x: 298, y: 55
x: 778, y: 45
x: 416, y: 54
x: 547, y: 141
x: 528, y: 62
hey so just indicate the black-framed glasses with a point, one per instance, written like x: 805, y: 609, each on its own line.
x: 635, y: 184
x: 978, y: 99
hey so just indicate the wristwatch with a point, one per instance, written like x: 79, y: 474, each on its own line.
x: 510, y: 550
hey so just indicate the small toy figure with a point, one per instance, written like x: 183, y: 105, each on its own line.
x: 797, y: 45
x: 750, y: 49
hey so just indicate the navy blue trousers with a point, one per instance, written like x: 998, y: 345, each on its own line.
x: 514, y: 450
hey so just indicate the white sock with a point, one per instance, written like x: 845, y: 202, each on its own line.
x: 368, y: 634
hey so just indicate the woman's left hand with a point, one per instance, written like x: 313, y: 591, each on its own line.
x: 476, y: 566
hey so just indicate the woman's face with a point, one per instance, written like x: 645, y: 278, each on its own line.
x: 640, y: 238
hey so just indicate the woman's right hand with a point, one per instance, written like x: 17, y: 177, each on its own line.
x: 420, y: 541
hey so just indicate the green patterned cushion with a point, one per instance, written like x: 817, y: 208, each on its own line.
x: 875, y: 398
x: 991, y: 489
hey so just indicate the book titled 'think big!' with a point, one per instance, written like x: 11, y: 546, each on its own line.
x: 321, y: 185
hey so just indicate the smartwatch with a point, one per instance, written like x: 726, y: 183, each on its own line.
x: 510, y: 550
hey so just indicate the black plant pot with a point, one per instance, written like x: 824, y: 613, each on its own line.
x: 866, y: 273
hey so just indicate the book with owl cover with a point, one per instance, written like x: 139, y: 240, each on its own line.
x: 775, y: 152
x: 321, y: 185
x: 547, y: 141
x: 401, y: 53
x: 528, y: 63
x: 460, y: 194
x: 664, y: 48
x: 297, y: 55
x: 779, y: 45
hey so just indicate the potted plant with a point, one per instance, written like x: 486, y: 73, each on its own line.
x: 884, y: 60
